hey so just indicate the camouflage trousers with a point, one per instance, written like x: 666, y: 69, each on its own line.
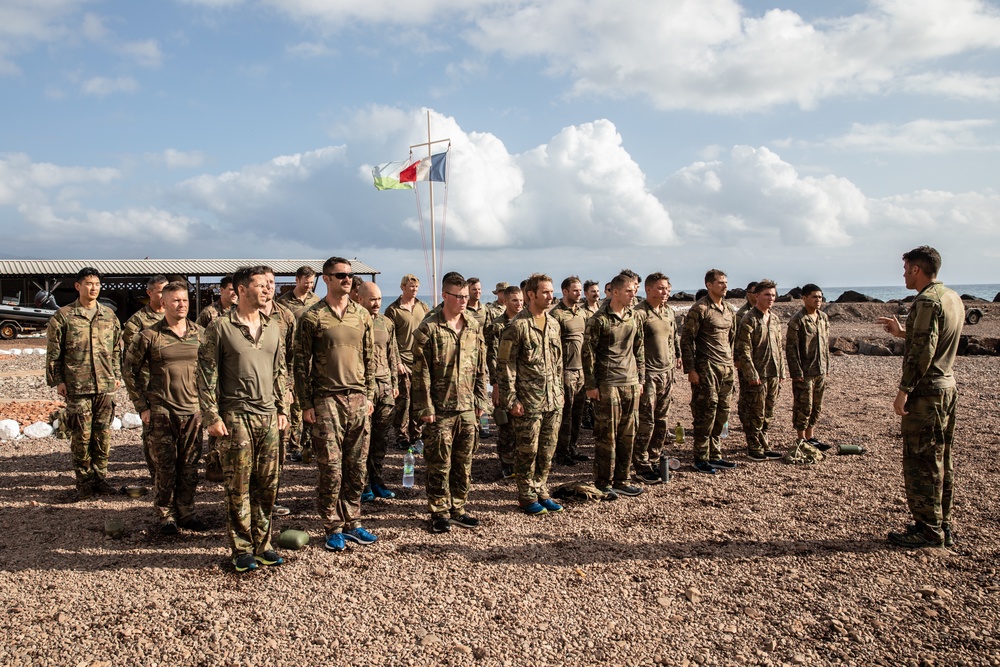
x: 744, y: 387
x: 506, y: 439
x: 249, y: 456
x: 710, y: 400
x: 757, y: 410
x: 175, y: 445
x: 147, y: 453
x: 89, y: 419
x: 448, y: 445
x: 574, y: 401
x: 654, y: 428
x: 406, y: 426
x: 381, y: 428
x: 928, y: 432
x: 298, y: 435
x: 615, y: 421
x: 807, y: 401
x: 340, y: 443
x: 537, y: 434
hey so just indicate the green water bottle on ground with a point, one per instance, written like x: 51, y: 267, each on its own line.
x: 679, y: 433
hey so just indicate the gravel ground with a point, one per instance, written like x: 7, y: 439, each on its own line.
x: 769, y: 564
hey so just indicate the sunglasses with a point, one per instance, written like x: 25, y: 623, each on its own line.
x: 340, y: 275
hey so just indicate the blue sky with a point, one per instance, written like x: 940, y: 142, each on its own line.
x: 802, y: 141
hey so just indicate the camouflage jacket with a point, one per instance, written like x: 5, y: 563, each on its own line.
x: 572, y: 325
x: 529, y: 365
x: 295, y: 304
x: 386, y: 351
x: 708, y: 334
x: 807, y: 345
x: 449, y: 367
x: 491, y: 338
x: 286, y: 325
x: 758, y: 348
x: 334, y: 354
x: 239, y: 374
x: 161, y: 368
x: 210, y: 314
x: 933, y: 329
x: 660, y: 339
x: 141, y: 320
x: 83, y: 354
x: 613, y: 352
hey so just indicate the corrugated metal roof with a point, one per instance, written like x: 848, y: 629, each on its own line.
x: 59, y: 268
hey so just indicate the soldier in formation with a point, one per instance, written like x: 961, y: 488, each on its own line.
x: 807, y: 351
x: 297, y: 300
x: 514, y: 300
x: 406, y: 313
x: 572, y: 318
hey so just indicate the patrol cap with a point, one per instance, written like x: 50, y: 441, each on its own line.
x: 500, y: 287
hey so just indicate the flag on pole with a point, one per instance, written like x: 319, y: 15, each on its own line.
x: 387, y: 176
x: 426, y: 169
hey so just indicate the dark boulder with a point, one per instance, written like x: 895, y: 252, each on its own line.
x: 969, y: 297
x: 850, y: 296
x: 700, y: 293
x: 681, y: 296
x: 736, y: 293
x: 794, y: 293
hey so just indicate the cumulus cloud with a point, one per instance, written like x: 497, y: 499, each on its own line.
x: 23, y: 180
x: 956, y: 85
x: 102, y: 86
x: 175, y: 159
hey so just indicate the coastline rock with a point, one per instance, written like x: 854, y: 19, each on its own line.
x: 873, y: 349
x: 842, y: 344
x: 740, y: 293
x: 982, y: 346
x: 850, y: 296
x: 681, y: 296
x: 996, y: 299
x: 969, y: 297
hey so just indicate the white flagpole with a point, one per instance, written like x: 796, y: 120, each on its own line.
x: 434, y: 280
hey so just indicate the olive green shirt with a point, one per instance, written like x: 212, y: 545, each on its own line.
x: 406, y: 322
x: 334, y: 354
x: 295, y: 304
x: 386, y: 351
x: 83, y: 350
x: 759, y: 348
x: 239, y: 374
x: 613, y: 352
x: 161, y: 368
x: 572, y: 325
x: 708, y: 334
x: 807, y: 344
x: 933, y: 329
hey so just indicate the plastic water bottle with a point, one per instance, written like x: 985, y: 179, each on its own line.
x: 725, y: 430
x: 408, y: 464
x: 417, y: 447
x: 679, y: 434
x: 484, y: 426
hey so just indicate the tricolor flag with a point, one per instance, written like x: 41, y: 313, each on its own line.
x: 427, y: 169
x: 387, y: 176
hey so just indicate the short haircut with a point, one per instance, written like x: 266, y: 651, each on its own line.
x: 333, y: 261
x: 714, y: 274
x: 158, y: 279
x: 305, y: 271
x: 243, y: 275
x: 927, y: 258
x: 534, y: 280
x: 472, y: 281
x: 226, y: 281
x: 86, y: 272
x: 590, y: 283
x: 631, y: 274
x: 751, y: 286
x: 524, y: 283
x: 765, y: 284
x: 621, y: 280
x: 406, y: 280
x: 809, y: 288
x: 568, y: 282
x: 511, y: 290
x: 175, y: 286
x: 453, y: 279
x: 356, y: 282
x: 654, y: 278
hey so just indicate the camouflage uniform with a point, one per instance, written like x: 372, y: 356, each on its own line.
x: 661, y: 349
x: 241, y: 382
x: 160, y: 373
x: 933, y: 328
x: 478, y: 313
x: 141, y: 320
x: 82, y: 353
x: 286, y: 325
x: 405, y: 422
x: 758, y: 352
x: 335, y: 376
x: 298, y: 434
x: 386, y: 382
x: 740, y: 380
x: 210, y: 314
x: 449, y: 383
x: 807, y: 350
x: 505, y: 431
x: 706, y: 347
x: 530, y: 372
x: 614, y: 363
x: 572, y: 324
